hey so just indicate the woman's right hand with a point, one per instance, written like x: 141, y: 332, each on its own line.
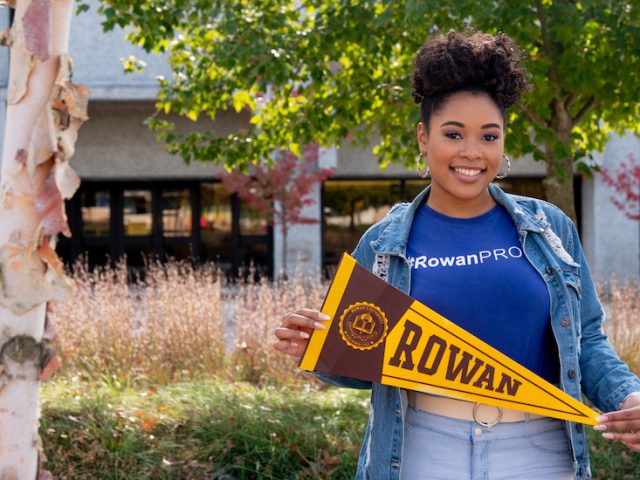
x: 296, y: 327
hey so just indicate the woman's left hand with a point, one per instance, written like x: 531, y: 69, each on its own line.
x: 623, y: 425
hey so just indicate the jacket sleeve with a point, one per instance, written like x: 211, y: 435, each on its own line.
x: 606, y: 379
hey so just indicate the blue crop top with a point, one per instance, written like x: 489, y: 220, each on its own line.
x: 473, y: 272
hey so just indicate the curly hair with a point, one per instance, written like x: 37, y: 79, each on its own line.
x: 470, y: 61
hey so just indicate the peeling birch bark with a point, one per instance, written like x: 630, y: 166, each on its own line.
x: 44, y: 112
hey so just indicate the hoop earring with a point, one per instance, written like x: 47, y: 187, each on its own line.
x: 426, y: 173
x: 501, y: 176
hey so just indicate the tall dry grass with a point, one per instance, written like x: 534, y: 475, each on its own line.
x: 179, y: 322
x: 621, y: 300
x: 185, y: 322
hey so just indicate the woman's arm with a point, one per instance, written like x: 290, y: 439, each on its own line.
x: 606, y: 379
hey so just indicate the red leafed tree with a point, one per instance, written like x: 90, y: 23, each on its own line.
x: 625, y: 181
x: 280, y: 190
x: 44, y: 112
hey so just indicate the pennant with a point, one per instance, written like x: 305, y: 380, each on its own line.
x: 377, y: 333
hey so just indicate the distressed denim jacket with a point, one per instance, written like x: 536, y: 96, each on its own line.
x: 587, y: 361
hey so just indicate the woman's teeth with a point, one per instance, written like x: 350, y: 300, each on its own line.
x: 467, y: 171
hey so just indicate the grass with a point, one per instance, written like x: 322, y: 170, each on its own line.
x: 218, y: 430
x: 201, y: 430
x: 174, y: 377
x: 611, y: 460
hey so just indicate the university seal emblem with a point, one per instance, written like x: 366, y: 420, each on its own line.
x: 363, y: 326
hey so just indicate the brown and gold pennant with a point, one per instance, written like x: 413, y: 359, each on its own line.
x: 377, y: 333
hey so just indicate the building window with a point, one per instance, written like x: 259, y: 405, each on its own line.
x: 160, y: 220
x: 136, y: 213
x: 352, y: 206
x: 216, y: 223
x: 529, y: 187
x: 252, y: 223
x: 96, y: 213
x: 176, y: 213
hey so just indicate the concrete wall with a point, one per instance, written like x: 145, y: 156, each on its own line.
x: 4, y: 52
x: 116, y: 144
x: 611, y: 240
x: 304, y: 242
x: 97, y: 61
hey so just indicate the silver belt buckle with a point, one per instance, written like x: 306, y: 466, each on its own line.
x: 482, y: 422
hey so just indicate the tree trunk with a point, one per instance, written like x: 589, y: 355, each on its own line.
x: 44, y: 112
x: 559, y: 182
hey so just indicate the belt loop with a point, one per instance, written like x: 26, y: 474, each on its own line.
x: 527, y: 417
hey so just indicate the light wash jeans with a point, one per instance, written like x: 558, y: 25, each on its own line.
x: 442, y: 448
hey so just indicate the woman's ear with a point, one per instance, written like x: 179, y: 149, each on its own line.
x: 423, y: 137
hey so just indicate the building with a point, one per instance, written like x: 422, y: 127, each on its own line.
x: 137, y: 200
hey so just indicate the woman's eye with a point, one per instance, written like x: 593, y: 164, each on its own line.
x: 490, y: 138
x: 453, y: 135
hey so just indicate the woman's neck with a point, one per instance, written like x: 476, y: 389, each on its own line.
x: 456, y: 207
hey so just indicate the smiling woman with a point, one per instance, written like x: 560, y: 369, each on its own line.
x: 508, y: 269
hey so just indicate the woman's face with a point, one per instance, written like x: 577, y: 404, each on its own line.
x: 464, y: 148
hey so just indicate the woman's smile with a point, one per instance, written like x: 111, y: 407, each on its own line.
x: 468, y: 174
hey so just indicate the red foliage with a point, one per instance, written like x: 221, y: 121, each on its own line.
x: 280, y: 191
x: 625, y: 180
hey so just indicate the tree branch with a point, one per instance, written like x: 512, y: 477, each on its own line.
x: 568, y: 101
x: 546, y: 45
x: 533, y: 117
x: 590, y: 104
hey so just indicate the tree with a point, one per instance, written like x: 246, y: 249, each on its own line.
x: 280, y: 190
x: 44, y: 112
x: 625, y: 182
x: 338, y: 67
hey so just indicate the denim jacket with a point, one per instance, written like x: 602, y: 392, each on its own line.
x: 588, y: 363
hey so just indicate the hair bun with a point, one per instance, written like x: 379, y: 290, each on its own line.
x: 459, y: 61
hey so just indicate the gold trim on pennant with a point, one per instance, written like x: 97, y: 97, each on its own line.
x: 330, y: 306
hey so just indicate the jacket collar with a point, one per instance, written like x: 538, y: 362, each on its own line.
x: 394, y: 236
x: 521, y: 210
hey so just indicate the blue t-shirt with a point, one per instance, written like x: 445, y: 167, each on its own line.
x: 473, y: 272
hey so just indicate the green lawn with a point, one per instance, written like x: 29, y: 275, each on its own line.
x: 217, y: 430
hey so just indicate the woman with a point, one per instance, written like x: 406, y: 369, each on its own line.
x: 533, y: 298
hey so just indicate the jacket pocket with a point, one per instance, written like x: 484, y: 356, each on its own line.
x: 572, y: 281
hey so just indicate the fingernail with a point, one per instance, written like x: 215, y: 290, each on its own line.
x: 294, y: 344
x: 608, y: 436
x: 601, y: 419
x: 304, y: 335
x: 600, y: 427
x: 324, y: 316
x: 320, y: 326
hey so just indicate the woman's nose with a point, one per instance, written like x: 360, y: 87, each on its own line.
x: 471, y: 150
